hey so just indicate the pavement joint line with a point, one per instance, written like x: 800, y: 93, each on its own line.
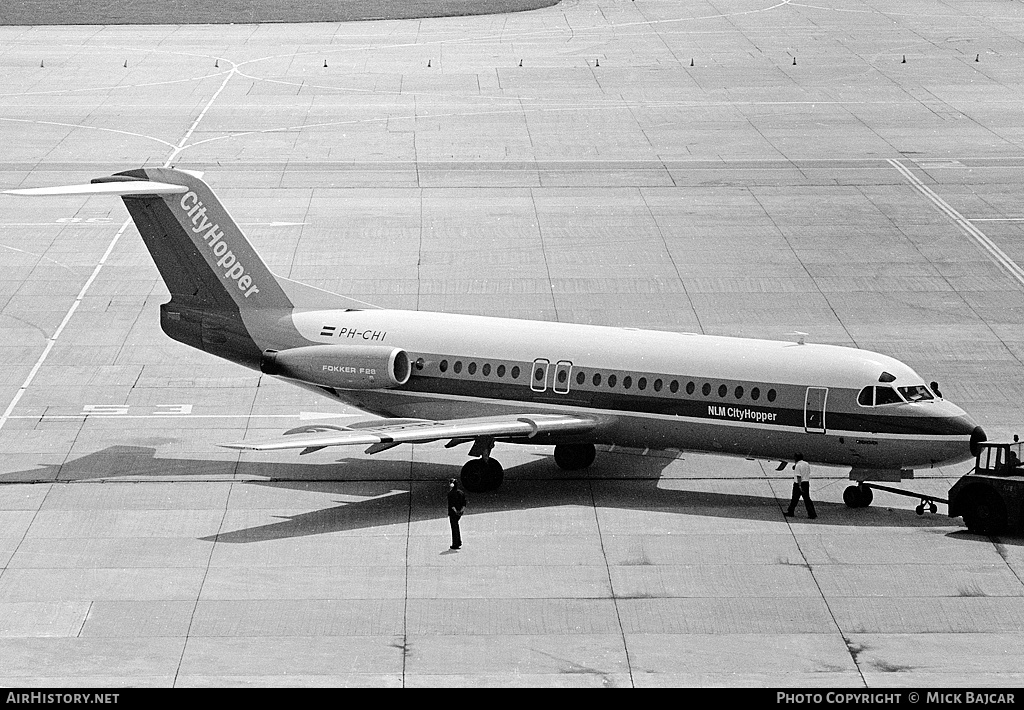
x: 611, y: 583
x: 824, y: 598
x: 202, y: 583
x: 997, y: 254
x: 63, y: 324
x: 405, y: 600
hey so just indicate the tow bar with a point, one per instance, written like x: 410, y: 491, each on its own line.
x: 927, y: 502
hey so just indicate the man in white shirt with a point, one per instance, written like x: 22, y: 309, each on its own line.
x: 801, y: 487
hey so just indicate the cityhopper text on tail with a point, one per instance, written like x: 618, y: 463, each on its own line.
x: 485, y: 381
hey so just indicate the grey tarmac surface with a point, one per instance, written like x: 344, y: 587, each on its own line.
x: 751, y: 168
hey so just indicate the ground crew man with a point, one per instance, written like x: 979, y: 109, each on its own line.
x: 456, y: 507
x: 801, y: 487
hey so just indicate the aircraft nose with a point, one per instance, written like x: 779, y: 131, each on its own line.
x: 978, y: 437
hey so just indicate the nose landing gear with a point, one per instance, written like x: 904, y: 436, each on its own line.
x: 859, y: 496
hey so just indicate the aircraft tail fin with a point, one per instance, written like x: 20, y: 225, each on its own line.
x: 201, y: 253
x: 224, y: 298
x: 204, y: 259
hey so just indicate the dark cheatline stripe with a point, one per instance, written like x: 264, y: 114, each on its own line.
x: 675, y: 405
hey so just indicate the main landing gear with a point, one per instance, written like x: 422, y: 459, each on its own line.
x: 482, y: 474
x: 573, y: 457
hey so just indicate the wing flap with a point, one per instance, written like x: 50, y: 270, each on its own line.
x: 382, y: 435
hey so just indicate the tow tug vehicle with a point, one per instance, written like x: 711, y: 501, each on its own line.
x: 989, y: 497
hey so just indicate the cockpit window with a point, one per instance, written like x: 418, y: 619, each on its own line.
x: 866, y: 397
x: 916, y: 393
x: 886, y: 395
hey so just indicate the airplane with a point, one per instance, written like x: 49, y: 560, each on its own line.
x: 482, y: 380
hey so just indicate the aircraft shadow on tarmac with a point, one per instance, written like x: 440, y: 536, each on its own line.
x: 393, y: 495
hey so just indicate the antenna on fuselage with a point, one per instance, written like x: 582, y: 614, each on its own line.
x: 798, y: 337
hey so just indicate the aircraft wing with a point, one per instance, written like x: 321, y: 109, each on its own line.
x: 384, y: 433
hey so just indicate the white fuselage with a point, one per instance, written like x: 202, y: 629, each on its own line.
x: 662, y: 390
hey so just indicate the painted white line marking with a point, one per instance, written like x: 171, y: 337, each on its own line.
x: 63, y: 324
x: 81, y: 294
x: 195, y: 124
x: 998, y: 255
x: 301, y: 416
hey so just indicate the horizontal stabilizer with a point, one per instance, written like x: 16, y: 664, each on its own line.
x: 387, y: 433
x: 129, y: 187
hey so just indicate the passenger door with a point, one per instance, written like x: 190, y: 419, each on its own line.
x: 814, y: 409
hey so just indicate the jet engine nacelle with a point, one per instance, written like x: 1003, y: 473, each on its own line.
x: 351, y: 367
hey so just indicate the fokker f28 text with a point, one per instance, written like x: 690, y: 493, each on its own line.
x: 482, y: 380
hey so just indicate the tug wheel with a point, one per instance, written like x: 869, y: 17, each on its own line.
x: 984, y: 512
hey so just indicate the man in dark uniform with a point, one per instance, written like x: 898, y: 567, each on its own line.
x: 456, y: 507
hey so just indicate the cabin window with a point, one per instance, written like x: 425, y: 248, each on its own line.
x: 443, y: 366
x: 657, y: 385
x: 674, y: 387
x: 487, y: 369
x: 581, y: 377
x: 690, y: 387
x: 472, y: 368
x: 501, y: 370
x: 562, y: 377
x: 755, y: 394
x: 597, y: 379
x: 771, y: 395
x: 458, y: 366
x: 866, y: 398
x: 515, y: 372
x: 706, y: 389
x: 722, y: 390
x: 642, y: 383
x: 739, y: 393
x: 538, y: 374
x: 612, y: 379
x: 916, y: 393
x: 627, y: 382
x: 886, y: 395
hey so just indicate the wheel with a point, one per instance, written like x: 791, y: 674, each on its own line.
x: 858, y: 496
x: 573, y: 457
x: 932, y: 507
x: 919, y: 509
x: 985, y: 513
x: 482, y: 475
